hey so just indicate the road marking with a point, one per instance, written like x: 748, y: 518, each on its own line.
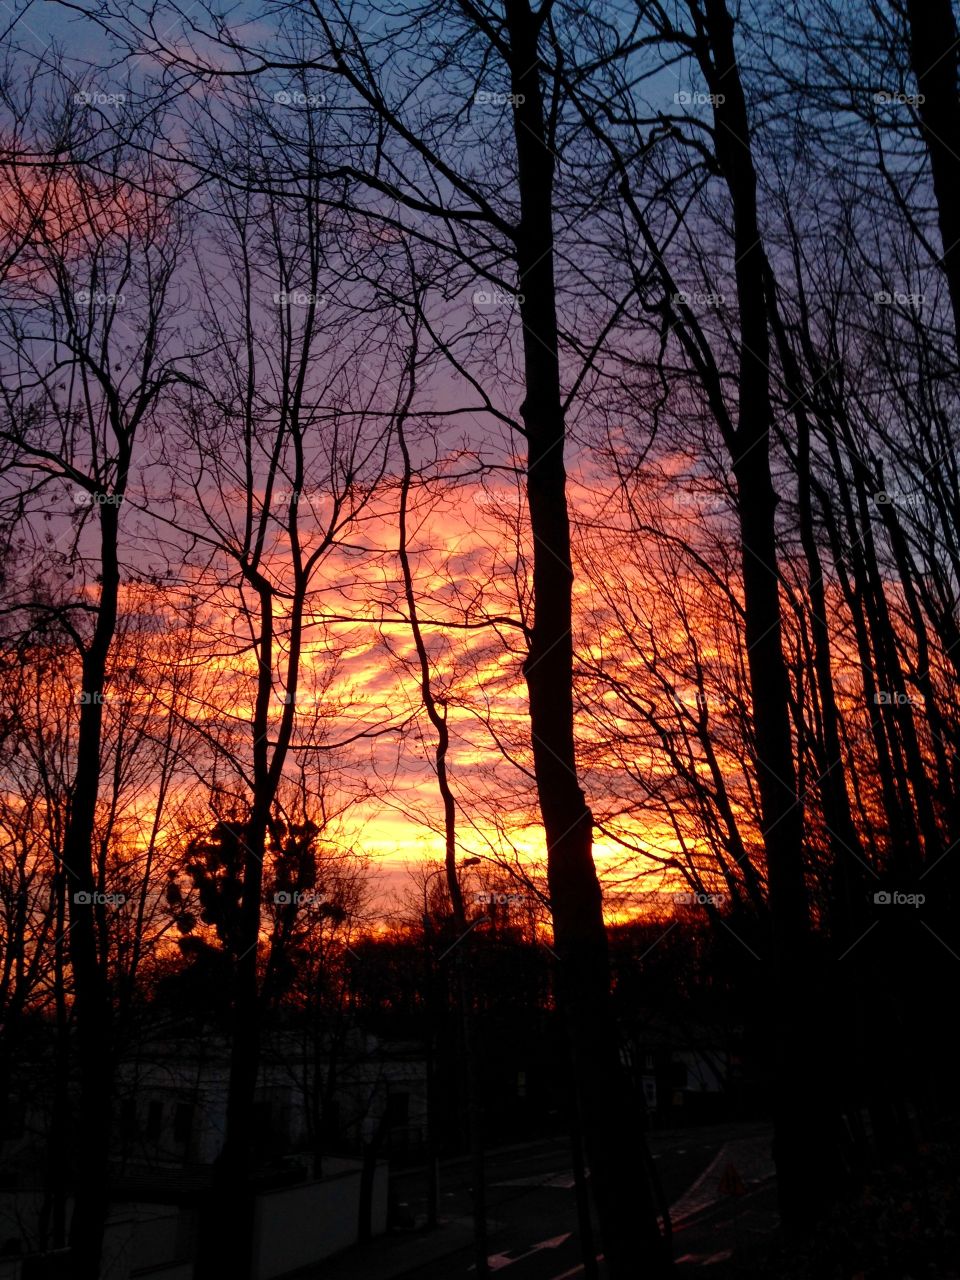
x: 753, y: 1151
x: 497, y: 1261
x: 704, y: 1260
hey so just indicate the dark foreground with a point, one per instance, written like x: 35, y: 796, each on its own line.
x: 902, y: 1225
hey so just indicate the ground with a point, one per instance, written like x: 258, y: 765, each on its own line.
x: 902, y: 1225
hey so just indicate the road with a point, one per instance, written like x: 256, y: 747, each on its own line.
x: 531, y: 1206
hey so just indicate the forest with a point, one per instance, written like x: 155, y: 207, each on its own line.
x: 479, y: 492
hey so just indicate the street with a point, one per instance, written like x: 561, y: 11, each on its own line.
x: 531, y: 1206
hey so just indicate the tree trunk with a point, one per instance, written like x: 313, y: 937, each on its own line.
x: 625, y: 1205
x: 933, y: 57
x: 803, y: 1145
x: 92, y: 1002
x: 437, y: 716
x: 52, y: 1227
x: 849, y: 1005
x: 226, y: 1238
x: 368, y: 1177
x: 226, y: 1235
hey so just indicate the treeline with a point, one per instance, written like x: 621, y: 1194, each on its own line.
x: 559, y: 401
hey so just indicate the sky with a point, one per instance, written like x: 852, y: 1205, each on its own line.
x: 464, y: 565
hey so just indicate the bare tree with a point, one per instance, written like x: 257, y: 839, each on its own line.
x: 86, y: 364
x: 282, y: 417
x: 506, y: 238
